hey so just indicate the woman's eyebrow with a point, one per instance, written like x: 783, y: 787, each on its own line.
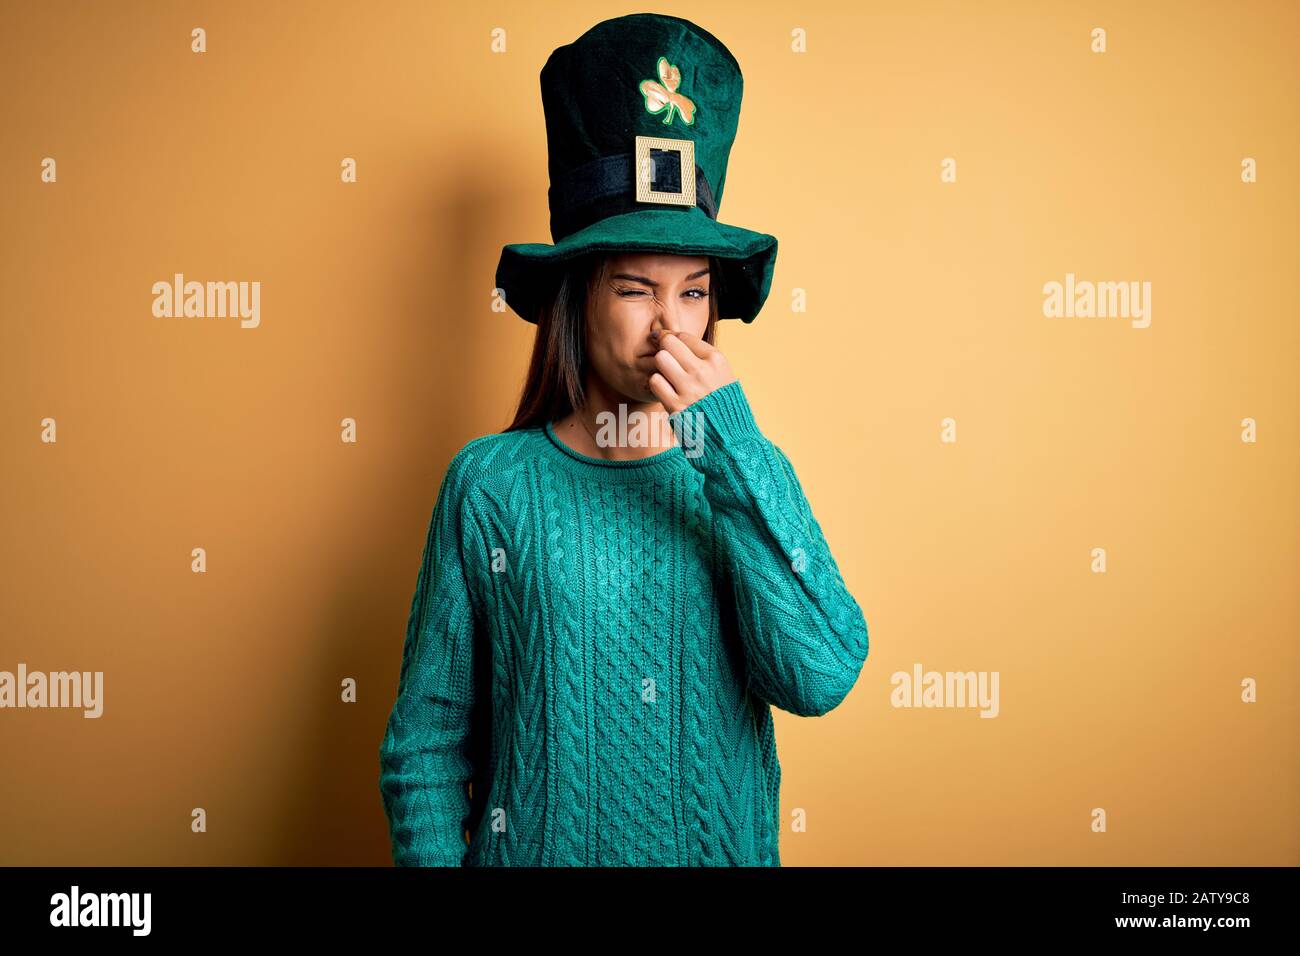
x: 655, y: 285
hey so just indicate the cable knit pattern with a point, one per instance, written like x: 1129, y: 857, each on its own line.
x: 594, y: 646
x: 804, y: 634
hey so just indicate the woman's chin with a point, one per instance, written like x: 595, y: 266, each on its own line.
x: 635, y: 389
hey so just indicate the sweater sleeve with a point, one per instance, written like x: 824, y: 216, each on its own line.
x: 804, y: 635
x: 425, y: 758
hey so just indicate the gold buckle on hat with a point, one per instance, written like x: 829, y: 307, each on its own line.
x: 645, y: 170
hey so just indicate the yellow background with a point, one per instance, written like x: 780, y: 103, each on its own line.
x: 1118, y: 690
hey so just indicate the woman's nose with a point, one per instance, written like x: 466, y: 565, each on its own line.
x: 666, y: 319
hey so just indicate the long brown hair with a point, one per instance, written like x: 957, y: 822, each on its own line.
x: 558, y: 367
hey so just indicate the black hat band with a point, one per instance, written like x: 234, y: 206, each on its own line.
x: 607, y: 187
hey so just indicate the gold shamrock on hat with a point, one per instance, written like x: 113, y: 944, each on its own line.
x: 663, y: 94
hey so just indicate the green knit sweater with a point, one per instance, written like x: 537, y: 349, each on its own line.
x: 594, y: 647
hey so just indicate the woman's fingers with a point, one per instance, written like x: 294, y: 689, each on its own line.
x: 671, y: 342
x: 691, y: 366
x: 699, y: 348
x: 663, y: 390
x: 669, y: 364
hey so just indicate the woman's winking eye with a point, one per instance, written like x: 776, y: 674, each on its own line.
x: 629, y: 293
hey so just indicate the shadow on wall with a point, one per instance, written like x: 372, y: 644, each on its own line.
x: 455, y: 374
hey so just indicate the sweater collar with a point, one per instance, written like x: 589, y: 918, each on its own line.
x: 575, y: 462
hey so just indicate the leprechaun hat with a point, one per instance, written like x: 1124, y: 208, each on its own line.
x: 641, y: 112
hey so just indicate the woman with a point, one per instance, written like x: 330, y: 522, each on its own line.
x: 607, y: 608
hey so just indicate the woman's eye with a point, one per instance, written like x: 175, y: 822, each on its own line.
x: 693, y: 293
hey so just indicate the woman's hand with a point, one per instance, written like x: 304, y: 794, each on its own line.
x: 689, y: 368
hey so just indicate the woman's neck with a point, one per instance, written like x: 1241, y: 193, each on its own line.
x: 611, y: 425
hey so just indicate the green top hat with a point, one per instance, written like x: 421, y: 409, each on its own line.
x: 641, y: 112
